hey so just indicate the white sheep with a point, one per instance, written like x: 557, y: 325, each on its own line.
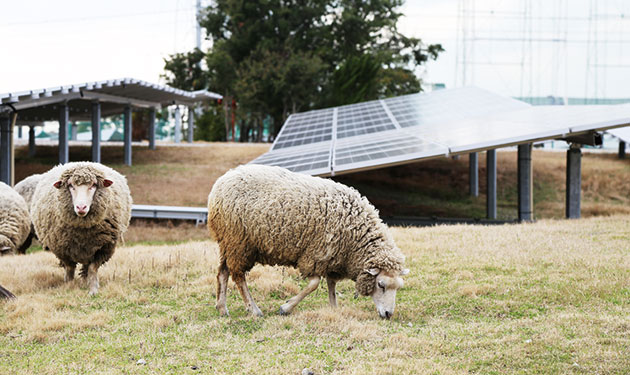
x: 269, y: 215
x: 80, y: 212
x: 26, y: 188
x: 15, y: 223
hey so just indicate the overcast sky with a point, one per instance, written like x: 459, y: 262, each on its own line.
x: 47, y: 43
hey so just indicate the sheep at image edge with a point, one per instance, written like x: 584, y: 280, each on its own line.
x: 80, y: 212
x: 269, y: 215
x: 26, y: 188
x: 15, y: 222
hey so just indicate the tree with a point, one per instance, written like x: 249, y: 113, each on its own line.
x: 277, y: 57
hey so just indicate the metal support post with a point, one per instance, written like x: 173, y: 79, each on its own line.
x: 574, y: 182
x: 127, y: 135
x: 191, y: 123
x: 31, y: 141
x: 6, y: 138
x: 473, y: 173
x: 63, y: 134
x: 96, y: 131
x: 152, y: 128
x: 178, y: 125
x: 19, y: 132
x: 525, y: 185
x: 73, y: 131
x: 622, y: 149
x: 491, y: 175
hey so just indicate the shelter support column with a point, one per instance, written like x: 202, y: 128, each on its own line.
x: 622, y: 149
x: 63, y: 134
x: 73, y: 131
x: 31, y: 141
x: 152, y: 129
x: 178, y: 125
x: 127, y: 135
x: 525, y: 186
x: 574, y: 181
x: 491, y: 176
x: 473, y: 173
x: 96, y: 131
x: 191, y: 123
x: 6, y: 145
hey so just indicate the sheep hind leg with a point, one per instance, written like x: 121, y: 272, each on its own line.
x: 251, y: 306
x: 332, y: 296
x: 70, y: 268
x: 286, y: 309
x: 222, y: 282
x: 92, y: 278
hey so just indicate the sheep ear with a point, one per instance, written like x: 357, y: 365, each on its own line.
x: 373, y: 271
x: 404, y: 272
x: 107, y: 183
x: 57, y: 184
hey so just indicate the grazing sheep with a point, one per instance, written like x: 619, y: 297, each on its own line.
x: 26, y: 188
x: 269, y: 215
x: 15, y: 223
x: 80, y: 212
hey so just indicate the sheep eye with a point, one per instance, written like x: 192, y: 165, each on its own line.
x: 381, y: 285
x: 93, y: 186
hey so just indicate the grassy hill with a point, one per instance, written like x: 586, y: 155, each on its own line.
x: 551, y: 297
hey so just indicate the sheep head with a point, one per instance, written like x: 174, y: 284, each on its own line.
x: 82, y: 184
x: 382, y: 287
x: 6, y: 245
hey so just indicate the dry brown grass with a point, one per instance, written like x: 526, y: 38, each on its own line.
x: 173, y: 176
x: 551, y: 297
x: 436, y: 187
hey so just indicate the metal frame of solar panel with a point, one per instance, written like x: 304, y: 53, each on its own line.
x: 419, y: 126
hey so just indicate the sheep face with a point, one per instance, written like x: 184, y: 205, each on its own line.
x: 82, y: 192
x: 384, y: 293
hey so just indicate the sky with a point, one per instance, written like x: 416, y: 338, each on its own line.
x: 50, y: 43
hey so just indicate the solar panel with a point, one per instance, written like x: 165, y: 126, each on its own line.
x: 418, y: 126
x: 382, y: 149
x: 621, y: 133
x: 305, y: 128
x: 312, y: 159
x: 363, y: 118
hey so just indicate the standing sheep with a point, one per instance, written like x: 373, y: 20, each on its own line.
x: 26, y: 188
x: 15, y: 223
x: 269, y: 215
x: 80, y: 212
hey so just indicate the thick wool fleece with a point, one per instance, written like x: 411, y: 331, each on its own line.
x: 273, y: 216
x: 15, y: 223
x: 74, y: 239
x: 26, y: 188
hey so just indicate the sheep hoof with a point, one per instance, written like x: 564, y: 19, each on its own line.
x: 257, y: 314
x: 281, y: 311
x: 93, y: 293
x: 223, y: 311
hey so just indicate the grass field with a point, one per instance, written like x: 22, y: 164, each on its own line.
x: 551, y: 297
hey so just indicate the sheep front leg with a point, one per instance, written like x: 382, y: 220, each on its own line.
x: 247, y: 297
x: 332, y: 296
x: 222, y: 282
x: 92, y: 278
x: 313, y: 282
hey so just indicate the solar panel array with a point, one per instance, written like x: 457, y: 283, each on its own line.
x: 419, y: 126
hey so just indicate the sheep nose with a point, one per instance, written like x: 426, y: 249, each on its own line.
x: 81, y: 208
x: 388, y: 314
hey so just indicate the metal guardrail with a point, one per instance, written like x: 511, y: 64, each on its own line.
x: 199, y: 214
